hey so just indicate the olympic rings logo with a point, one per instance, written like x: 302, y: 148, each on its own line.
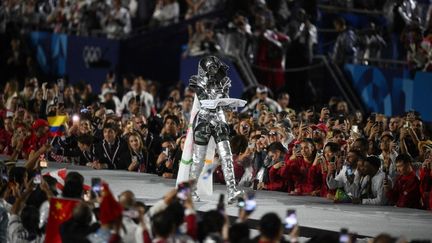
x: 91, y: 54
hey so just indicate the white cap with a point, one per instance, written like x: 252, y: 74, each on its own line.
x: 108, y: 91
x: 261, y: 89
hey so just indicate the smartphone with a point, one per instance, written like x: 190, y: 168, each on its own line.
x: 133, y: 214
x: 341, y: 119
x: 373, y: 117
x: 96, y: 186
x: 183, y: 191
x: 355, y: 128
x: 349, y: 170
x: 291, y: 219
x: 333, y: 160
x: 255, y: 115
x: 75, y: 118
x: 251, y: 145
x: 344, y: 236
x: 221, y: 203
x: 250, y: 203
x: 297, y: 148
x: 37, y: 178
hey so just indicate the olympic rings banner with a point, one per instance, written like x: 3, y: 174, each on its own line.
x: 392, y: 91
x: 92, y: 59
x: 79, y: 58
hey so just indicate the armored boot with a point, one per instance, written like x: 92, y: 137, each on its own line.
x: 225, y: 156
x: 198, y: 157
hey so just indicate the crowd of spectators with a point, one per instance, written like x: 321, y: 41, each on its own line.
x: 325, y: 150
x: 111, y: 18
x: 276, y: 38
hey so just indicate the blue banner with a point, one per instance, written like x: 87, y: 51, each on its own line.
x: 51, y: 52
x: 92, y: 59
x: 392, y: 91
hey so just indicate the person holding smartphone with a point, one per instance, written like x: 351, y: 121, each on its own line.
x: 299, y: 177
x: 406, y: 190
x: 274, y: 179
x: 347, y: 175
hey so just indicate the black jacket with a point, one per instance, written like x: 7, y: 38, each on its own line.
x: 117, y: 157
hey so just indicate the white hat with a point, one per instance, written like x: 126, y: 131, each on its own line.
x: 261, y: 89
x: 109, y: 112
x: 108, y: 91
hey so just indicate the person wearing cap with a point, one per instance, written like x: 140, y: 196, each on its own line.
x: 262, y: 97
x: 38, y: 143
x: 372, y: 192
x: 406, y: 190
x: 388, y: 155
x: 110, y: 100
x: 319, y: 134
x: 275, y: 181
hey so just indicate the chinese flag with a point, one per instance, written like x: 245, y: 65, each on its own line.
x: 60, y: 211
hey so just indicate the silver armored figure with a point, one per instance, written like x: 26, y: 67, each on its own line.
x: 212, y: 83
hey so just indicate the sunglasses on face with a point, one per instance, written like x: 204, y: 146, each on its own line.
x: 273, y: 134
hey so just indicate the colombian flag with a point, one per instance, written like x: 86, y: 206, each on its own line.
x: 56, y: 125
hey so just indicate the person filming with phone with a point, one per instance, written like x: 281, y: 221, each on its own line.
x: 406, y: 190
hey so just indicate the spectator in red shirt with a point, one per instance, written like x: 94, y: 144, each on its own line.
x: 406, y: 189
x: 426, y: 182
x: 319, y: 170
x: 38, y: 143
x: 297, y: 169
x: 276, y: 152
x: 39, y: 136
x: 6, y: 134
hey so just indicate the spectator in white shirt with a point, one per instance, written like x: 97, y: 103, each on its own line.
x: 144, y: 98
x: 347, y: 176
x: 262, y: 96
x: 166, y: 13
x: 388, y: 155
x: 111, y: 100
x: 118, y: 22
x: 372, y: 192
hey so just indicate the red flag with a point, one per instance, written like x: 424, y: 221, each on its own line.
x: 60, y: 176
x: 60, y: 211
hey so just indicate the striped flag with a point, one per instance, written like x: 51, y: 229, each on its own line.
x: 56, y: 124
x: 60, y: 176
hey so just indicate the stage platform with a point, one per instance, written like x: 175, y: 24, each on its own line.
x: 315, y: 215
